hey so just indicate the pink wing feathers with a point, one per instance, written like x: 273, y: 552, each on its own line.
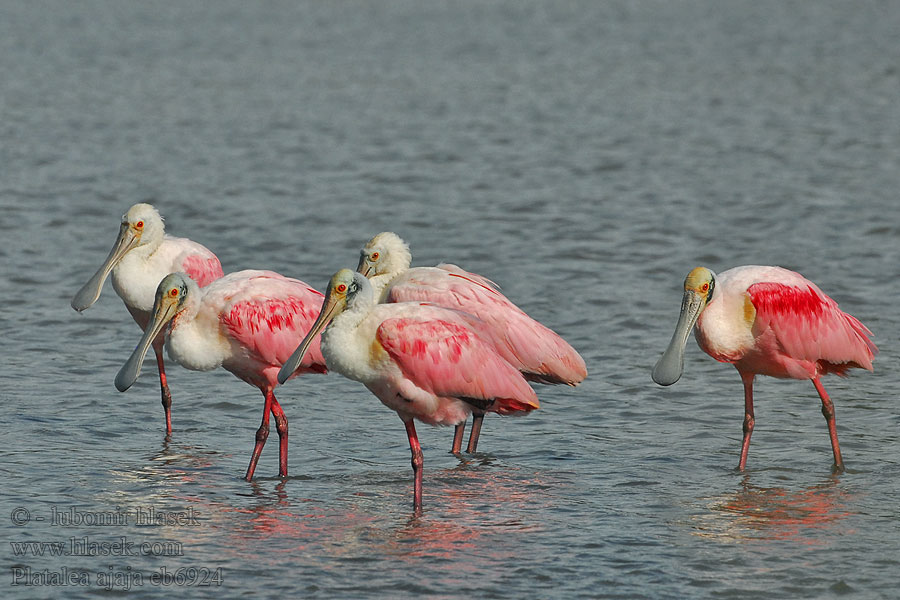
x: 450, y: 285
x: 811, y: 328
x: 271, y: 316
x: 473, y: 277
x: 203, y: 270
x: 528, y: 345
x: 197, y: 261
x: 448, y: 360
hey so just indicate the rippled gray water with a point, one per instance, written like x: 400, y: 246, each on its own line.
x: 583, y: 155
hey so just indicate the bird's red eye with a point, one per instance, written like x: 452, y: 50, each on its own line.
x: 173, y: 292
x: 341, y: 288
x: 139, y: 225
x: 704, y: 287
x: 374, y: 256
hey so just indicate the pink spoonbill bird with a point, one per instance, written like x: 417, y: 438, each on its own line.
x: 767, y: 321
x: 425, y: 362
x: 247, y: 322
x: 142, y: 255
x: 539, y: 353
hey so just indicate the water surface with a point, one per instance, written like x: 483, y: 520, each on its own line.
x: 585, y: 156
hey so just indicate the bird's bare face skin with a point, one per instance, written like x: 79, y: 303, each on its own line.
x: 373, y: 258
x: 701, y: 281
x: 385, y: 253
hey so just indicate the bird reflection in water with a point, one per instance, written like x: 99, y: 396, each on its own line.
x: 754, y: 512
x: 287, y: 518
x: 468, y: 519
x: 273, y: 512
x: 302, y: 515
x: 175, y: 462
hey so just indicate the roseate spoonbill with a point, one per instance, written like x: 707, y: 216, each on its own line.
x: 767, y: 321
x: 247, y: 322
x: 142, y: 255
x: 425, y: 362
x: 539, y: 353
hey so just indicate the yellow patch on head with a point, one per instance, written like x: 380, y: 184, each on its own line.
x: 340, y: 282
x: 697, y: 279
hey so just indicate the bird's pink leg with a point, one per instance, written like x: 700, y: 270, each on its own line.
x: 458, y: 437
x: 828, y: 413
x: 163, y: 384
x: 261, y: 434
x: 417, y: 464
x: 749, y: 420
x: 281, y: 426
x: 477, y: 420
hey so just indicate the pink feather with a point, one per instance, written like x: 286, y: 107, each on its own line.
x: 538, y: 352
x: 448, y: 360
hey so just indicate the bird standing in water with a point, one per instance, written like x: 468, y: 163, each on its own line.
x: 768, y: 321
x: 424, y: 362
x: 539, y: 353
x: 141, y: 256
x: 248, y: 323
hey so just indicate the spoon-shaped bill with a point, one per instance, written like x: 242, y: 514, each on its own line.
x: 669, y: 367
x: 90, y: 291
x: 128, y: 374
x: 330, y: 307
x: 364, y: 267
